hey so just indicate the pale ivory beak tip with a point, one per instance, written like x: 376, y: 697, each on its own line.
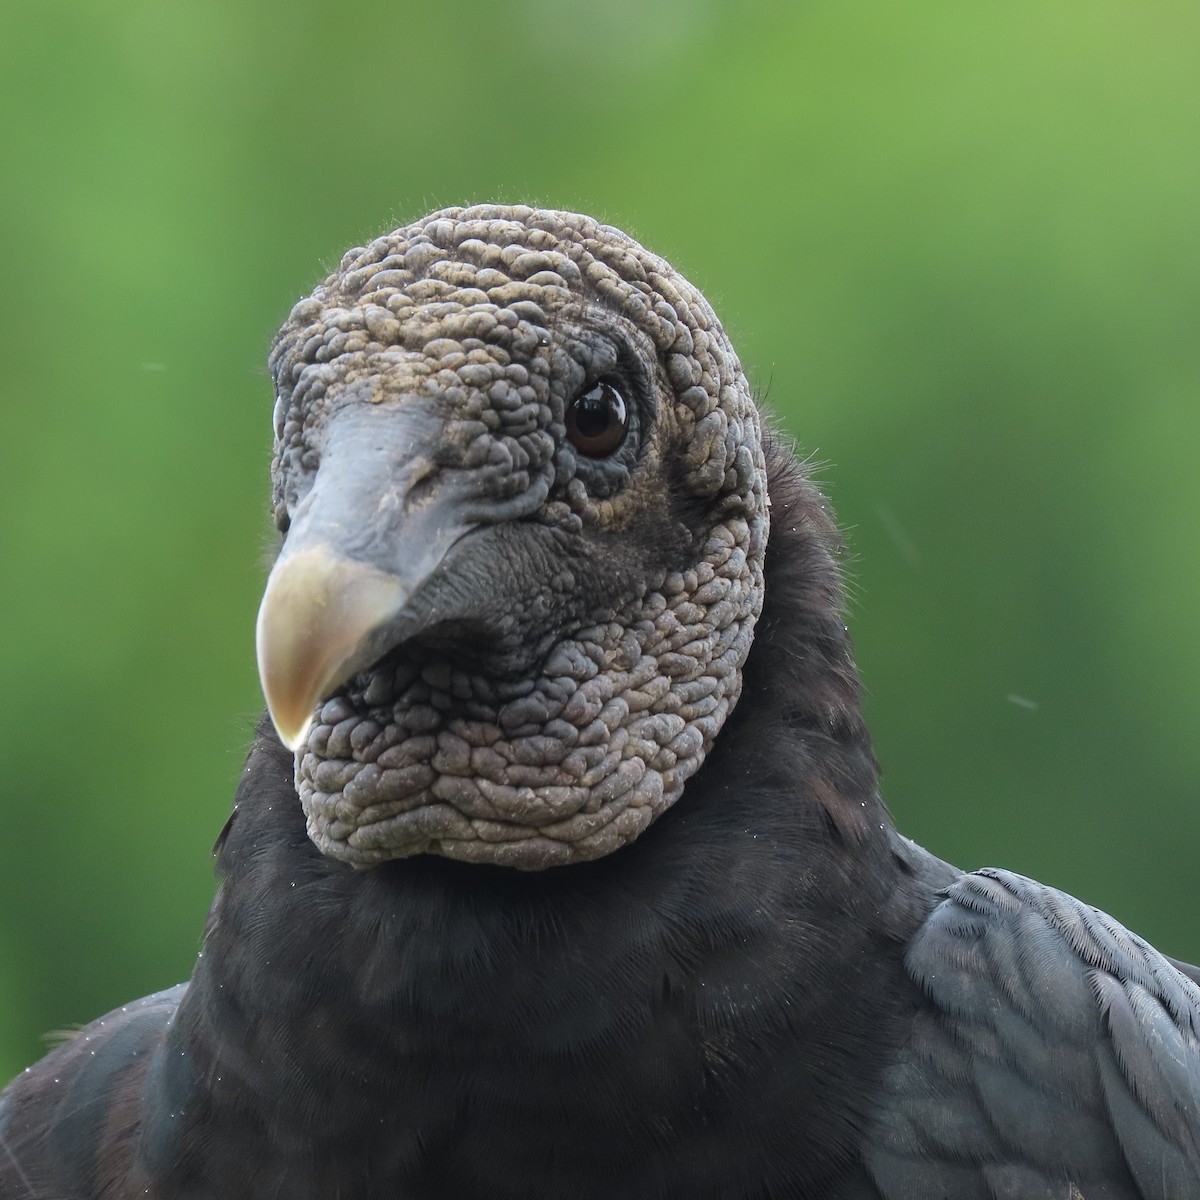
x: 315, y: 614
x: 293, y: 741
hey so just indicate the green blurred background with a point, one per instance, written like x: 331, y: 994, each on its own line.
x: 958, y: 246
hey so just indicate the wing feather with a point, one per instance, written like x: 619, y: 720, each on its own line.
x: 1052, y: 1052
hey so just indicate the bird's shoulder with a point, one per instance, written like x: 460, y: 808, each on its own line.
x: 68, y: 1123
x: 1049, y: 1046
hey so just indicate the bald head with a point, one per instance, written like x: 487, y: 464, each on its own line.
x: 519, y: 472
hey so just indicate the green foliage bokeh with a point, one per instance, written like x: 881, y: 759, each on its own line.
x: 958, y: 250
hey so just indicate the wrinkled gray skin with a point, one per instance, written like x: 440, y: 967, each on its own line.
x: 519, y: 654
x: 556, y: 729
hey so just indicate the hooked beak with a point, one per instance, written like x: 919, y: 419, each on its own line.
x: 315, y: 627
x: 360, y: 544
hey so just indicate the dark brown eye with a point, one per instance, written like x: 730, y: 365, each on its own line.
x: 597, y: 420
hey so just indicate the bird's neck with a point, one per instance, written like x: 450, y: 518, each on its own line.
x: 799, y: 723
x: 424, y: 971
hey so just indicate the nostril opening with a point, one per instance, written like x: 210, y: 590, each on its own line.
x: 421, y: 484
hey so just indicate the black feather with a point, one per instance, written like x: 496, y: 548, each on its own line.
x: 767, y: 993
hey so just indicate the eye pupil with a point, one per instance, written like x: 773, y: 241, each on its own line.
x: 597, y: 420
x: 591, y: 416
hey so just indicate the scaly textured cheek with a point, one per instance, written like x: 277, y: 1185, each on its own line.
x: 428, y: 759
x: 496, y: 316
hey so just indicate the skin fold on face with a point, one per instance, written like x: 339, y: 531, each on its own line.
x: 520, y: 478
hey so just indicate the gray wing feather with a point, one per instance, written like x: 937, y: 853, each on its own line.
x: 1052, y: 1053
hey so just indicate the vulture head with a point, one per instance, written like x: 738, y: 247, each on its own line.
x: 520, y: 479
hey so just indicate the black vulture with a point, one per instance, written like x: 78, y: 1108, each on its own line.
x: 570, y: 877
